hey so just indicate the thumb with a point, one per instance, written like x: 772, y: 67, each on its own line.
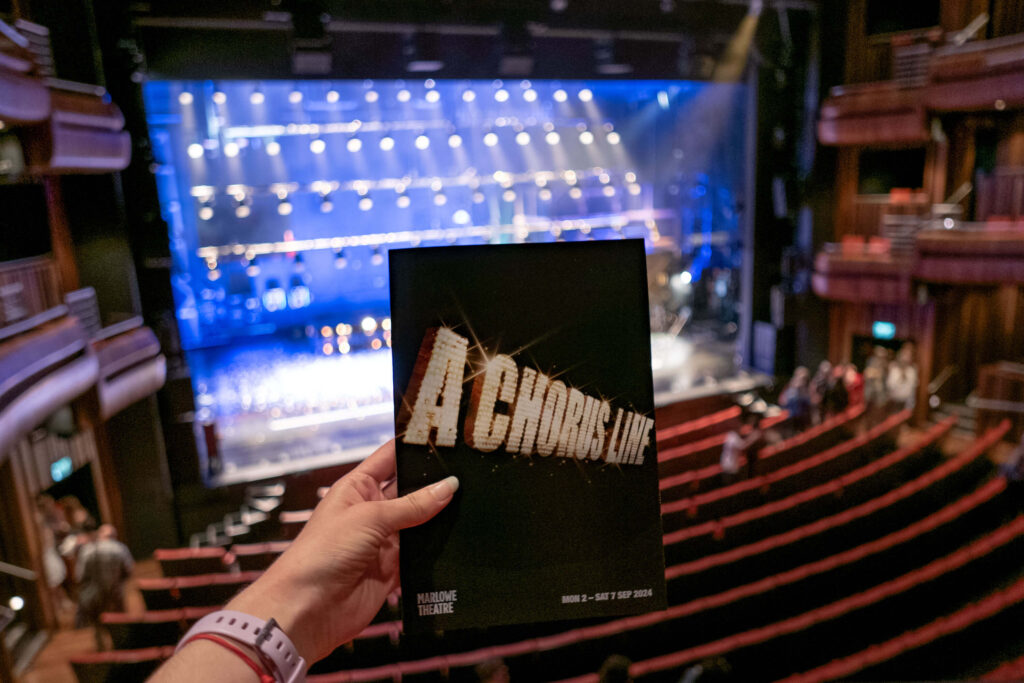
x: 419, y: 506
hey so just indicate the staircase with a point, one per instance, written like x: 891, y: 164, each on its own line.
x: 967, y: 418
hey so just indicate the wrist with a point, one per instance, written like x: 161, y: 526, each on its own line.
x: 268, y: 598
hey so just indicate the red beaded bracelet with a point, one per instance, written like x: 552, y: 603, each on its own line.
x: 264, y: 676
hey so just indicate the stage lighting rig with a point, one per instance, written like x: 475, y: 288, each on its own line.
x: 422, y: 52
x: 517, y: 49
x: 311, y: 44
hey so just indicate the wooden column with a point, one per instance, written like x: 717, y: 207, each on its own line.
x: 25, y: 521
x: 60, y: 234
x: 108, y: 492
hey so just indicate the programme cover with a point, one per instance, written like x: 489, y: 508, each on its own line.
x: 525, y: 370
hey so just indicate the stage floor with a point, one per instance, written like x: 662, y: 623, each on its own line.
x: 275, y: 407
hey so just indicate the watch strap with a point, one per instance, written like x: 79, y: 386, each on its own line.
x: 266, y: 637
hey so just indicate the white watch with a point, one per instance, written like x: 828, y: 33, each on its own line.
x: 266, y: 637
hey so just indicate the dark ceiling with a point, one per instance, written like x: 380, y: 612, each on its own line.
x: 557, y: 38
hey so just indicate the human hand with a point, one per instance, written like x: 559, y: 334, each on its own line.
x: 335, y: 576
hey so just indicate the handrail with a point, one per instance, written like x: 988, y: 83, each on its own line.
x: 994, y: 404
x: 16, y: 571
x: 22, y: 326
x: 941, y: 378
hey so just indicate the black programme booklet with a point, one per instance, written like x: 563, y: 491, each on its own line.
x: 525, y: 371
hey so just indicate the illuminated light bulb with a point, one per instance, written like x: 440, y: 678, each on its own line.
x: 385, y: 324
x: 523, y: 138
x: 540, y: 181
x: 295, y: 97
x: 231, y: 150
x: 242, y: 211
x: 403, y: 201
x: 613, y: 138
x: 630, y: 177
x: 340, y: 261
x: 213, y: 275
x: 454, y: 140
x: 387, y: 143
x: 273, y: 148
x: 575, y: 192
x: 375, y: 344
x: 371, y: 96
x: 284, y: 207
x: 440, y: 199
x: 422, y: 142
x: 553, y: 138
x: 344, y: 347
x: 491, y: 139
x: 253, y: 269
x: 429, y: 84
x: 560, y: 95
x: 195, y: 150
x: 256, y: 97
x: 530, y: 95
x: 478, y: 197
x: 570, y: 177
x: 509, y: 195
x: 361, y: 187
x: 586, y: 137
x: 608, y: 191
x: 317, y: 146
x: 328, y: 348
x: 365, y: 204
x: 368, y: 325
x: 333, y: 96
x: 501, y: 95
x: 185, y: 98
x: 461, y: 217
x: 326, y: 331
x: 403, y: 95
x: 326, y: 205
x: 205, y: 213
x: 634, y: 189
x: 432, y: 96
x: 604, y: 178
x: 436, y: 185
x: 544, y: 195
x: 219, y: 97
x: 354, y: 144
x: 468, y: 95
x: 586, y: 95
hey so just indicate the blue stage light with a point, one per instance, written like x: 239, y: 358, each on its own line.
x: 491, y: 139
x: 468, y: 95
x: 387, y: 143
x: 195, y: 150
x: 185, y: 98
x: 354, y: 144
x: 422, y: 142
x: 454, y: 140
x: 273, y: 148
x: 560, y: 95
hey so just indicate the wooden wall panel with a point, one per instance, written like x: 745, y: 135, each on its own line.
x: 1007, y: 17
x: 33, y: 285
x: 978, y: 325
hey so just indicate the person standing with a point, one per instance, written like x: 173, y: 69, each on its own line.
x: 104, y: 565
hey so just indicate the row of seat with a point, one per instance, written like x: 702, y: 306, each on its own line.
x: 852, y: 488
x: 773, y: 481
x: 383, y: 641
x: 549, y: 653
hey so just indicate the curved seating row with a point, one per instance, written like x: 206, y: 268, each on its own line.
x: 705, y: 451
x: 119, y: 666
x: 763, y: 652
x: 524, y: 658
x: 700, y: 428
x: 857, y: 486
x: 770, y: 458
x: 904, y: 653
x: 777, y: 482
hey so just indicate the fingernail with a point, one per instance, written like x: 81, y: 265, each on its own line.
x: 445, y: 489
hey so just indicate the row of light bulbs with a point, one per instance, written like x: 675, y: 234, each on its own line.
x: 501, y: 95
x: 422, y: 142
x: 243, y: 195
